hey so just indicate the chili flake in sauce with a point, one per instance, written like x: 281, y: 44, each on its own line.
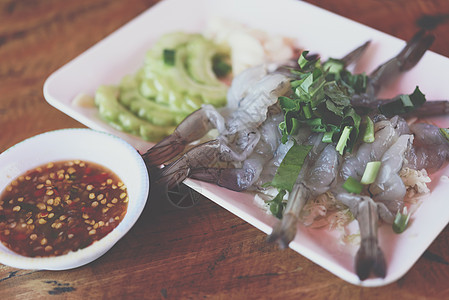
x: 60, y: 207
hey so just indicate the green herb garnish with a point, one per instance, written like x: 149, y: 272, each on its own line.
x: 322, y: 102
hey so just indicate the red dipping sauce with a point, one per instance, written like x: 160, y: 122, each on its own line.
x: 61, y: 207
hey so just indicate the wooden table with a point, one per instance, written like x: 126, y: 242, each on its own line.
x: 205, y: 252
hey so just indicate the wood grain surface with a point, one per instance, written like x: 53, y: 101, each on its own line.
x: 204, y: 252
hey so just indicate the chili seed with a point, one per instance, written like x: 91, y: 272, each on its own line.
x: 44, y: 241
x: 122, y: 195
x: 91, y: 196
x: 92, y: 232
x: 33, y: 236
x: 94, y: 204
x: 41, y: 206
x: 16, y: 208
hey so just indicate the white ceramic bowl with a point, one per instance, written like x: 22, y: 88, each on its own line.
x: 83, y: 144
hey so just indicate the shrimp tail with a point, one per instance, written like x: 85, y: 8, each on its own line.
x: 355, y: 55
x: 370, y: 259
x: 284, y: 232
x: 409, y: 56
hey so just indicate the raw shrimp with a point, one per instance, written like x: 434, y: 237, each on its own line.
x: 240, y: 132
x: 430, y: 149
x: 316, y: 177
x: 369, y: 257
x: 386, y: 198
x: 388, y: 187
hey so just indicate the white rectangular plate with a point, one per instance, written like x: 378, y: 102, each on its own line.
x: 314, y: 29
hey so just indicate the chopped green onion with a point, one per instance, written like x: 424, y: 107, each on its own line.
x: 368, y: 136
x: 307, y: 111
x: 352, y: 185
x: 370, y: 173
x: 169, y: 57
x: 327, y: 137
x: 343, y: 139
x: 401, y: 221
